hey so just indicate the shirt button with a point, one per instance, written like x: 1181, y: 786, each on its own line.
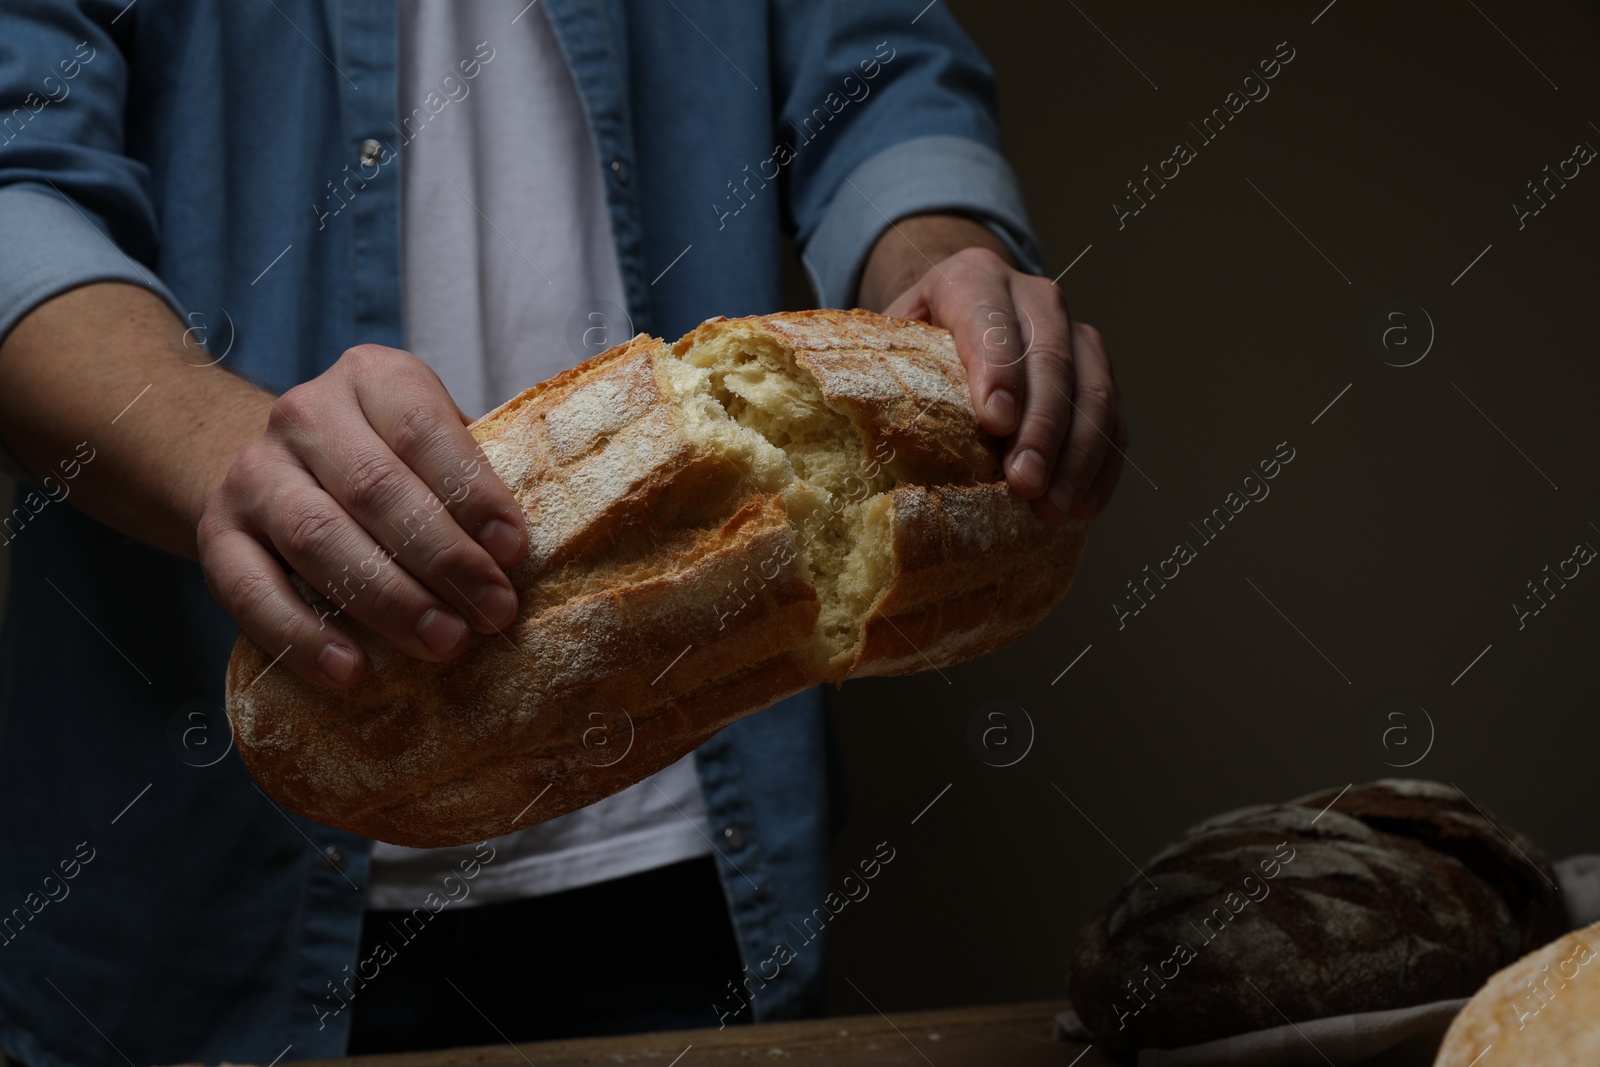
x: 335, y: 858
x: 370, y: 150
x: 735, y: 837
x: 620, y: 169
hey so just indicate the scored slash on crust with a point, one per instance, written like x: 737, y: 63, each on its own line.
x: 1503, y: 834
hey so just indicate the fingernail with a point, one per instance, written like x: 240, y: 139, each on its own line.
x: 337, y: 662
x: 1028, y: 468
x: 501, y: 540
x: 1061, y: 495
x: 497, y: 604
x: 1002, y: 407
x: 441, y: 631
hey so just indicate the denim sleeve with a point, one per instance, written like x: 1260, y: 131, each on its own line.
x: 48, y: 244
x: 74, y: 208
x: 887, y: 113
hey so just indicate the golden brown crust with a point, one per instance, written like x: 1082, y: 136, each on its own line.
x: 899, y: 381
x: 974, y: 570
x: 642, y: 628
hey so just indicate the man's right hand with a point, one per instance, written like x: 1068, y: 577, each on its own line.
x: 368, y: 485
x: 364, y: 481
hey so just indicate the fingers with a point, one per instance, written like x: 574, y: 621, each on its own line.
x: 1092, y: 503
x: 369, y: 486
x: 1027, y: 359
x: 1034, y: 373
x: 414, y: 414
x: 339, y: 560
x: 970, y: 294
x: 388, y: 493
x: 1089, y: 399
x: 909, y: 305
x: 1095, y: 501
x: 1032, y: 459
x: 252, y: 587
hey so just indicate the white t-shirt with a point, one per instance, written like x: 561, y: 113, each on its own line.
x: 507, y: 243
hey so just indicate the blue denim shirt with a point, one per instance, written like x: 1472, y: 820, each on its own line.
x: 155, y: 905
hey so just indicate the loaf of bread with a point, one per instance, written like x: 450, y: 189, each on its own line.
x: 1401, y: 893
x: 1542, y: 1011
x: 770, y: 503
x: 1445, y: 820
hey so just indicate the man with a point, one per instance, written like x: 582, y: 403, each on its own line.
x: 201, y: 207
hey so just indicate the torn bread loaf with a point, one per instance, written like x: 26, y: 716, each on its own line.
x: 770, y: 503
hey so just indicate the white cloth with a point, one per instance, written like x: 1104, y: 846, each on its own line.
x: 1403, y: 1037
x: 506, y: 235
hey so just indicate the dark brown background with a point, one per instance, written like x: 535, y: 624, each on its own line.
x: 1397, y: 140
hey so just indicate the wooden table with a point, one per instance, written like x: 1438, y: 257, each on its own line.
x: 1005, y: 1035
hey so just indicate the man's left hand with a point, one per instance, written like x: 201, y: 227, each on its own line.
x: 1038, y: 378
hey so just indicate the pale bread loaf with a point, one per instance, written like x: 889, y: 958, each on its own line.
x: 771, y: 503
x: 1542, y: 1011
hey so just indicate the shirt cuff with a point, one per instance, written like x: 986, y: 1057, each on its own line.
x: 924, y: 175
x: 47, y: 246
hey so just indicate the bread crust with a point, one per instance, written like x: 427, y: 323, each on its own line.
x: 1397, y: 894
x: 1443, y: 818
x: 627, y: 638
x: 974, y: 570
x: 1541, y: 1011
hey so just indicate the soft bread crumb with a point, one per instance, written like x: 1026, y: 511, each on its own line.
x: 741, y: 392
x: 705, y: 421
x: 867, y: 570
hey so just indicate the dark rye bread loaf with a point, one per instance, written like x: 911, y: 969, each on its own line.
x: 1443, y: 818
x: 1288, y: 911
